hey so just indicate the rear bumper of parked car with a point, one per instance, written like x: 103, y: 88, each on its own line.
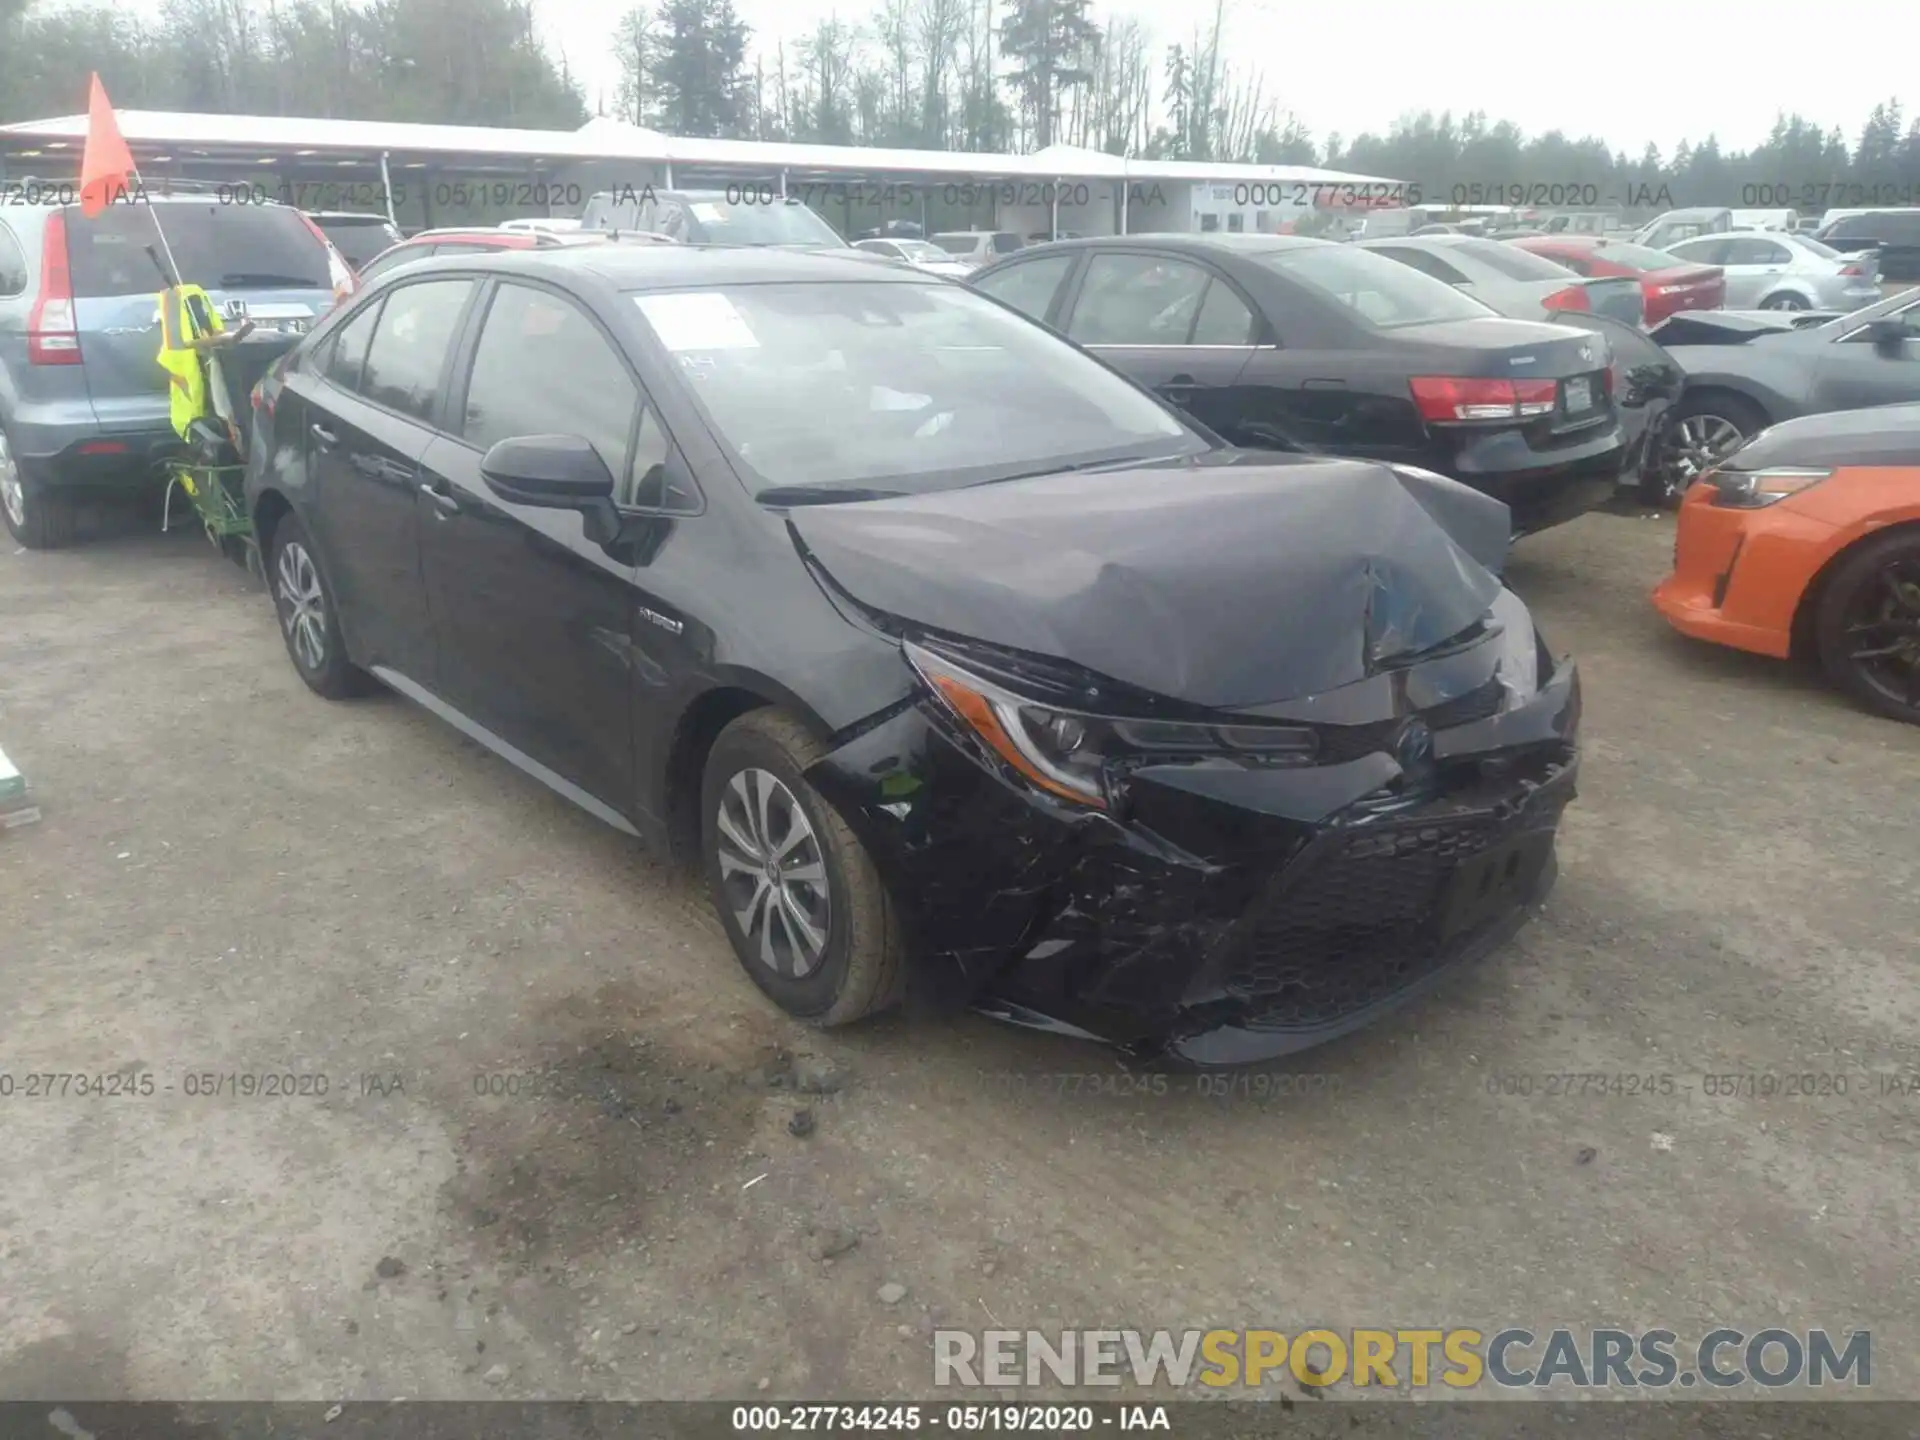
x: 67, y: 452
x: 1227, y: 917
x: 1542, y: 487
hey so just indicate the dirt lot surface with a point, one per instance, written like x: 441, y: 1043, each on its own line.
x: 234, y: 878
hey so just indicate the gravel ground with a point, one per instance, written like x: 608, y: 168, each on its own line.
x: 235, y: 878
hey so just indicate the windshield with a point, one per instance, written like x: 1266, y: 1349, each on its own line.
x: 217, y: 246
x: 958, y: 244
x: 358, y: 241
x: 1639, y: 257
x: 1382, y: 292
x: 920, y: 250
x: 782, y: 223
x: 898, y: 386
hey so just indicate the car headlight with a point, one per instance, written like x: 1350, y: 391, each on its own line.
x: 1519, y: 665
x: 1076, y: 756
x: 1756, y: 489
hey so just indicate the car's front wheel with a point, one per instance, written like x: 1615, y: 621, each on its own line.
x: 309, y: 621
x: 38, y: 517
x: 1785, y: 300
x: 1867, y: 627
x: 1700, y: 432
x: 808, y: 914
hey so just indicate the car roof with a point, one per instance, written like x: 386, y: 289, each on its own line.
x: 668, y: 267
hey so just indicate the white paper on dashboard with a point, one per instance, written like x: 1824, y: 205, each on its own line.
x: 697, y: 320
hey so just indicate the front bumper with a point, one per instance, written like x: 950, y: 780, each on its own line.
x: 1228, y: 916
x: 1738, y: 575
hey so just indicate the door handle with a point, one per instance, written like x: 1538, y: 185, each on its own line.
x: 325, y: 436
x: 445, y: 501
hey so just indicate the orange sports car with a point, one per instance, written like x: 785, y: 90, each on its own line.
x: 1806, y: 542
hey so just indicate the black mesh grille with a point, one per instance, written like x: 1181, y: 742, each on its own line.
x: 1342, y: 743
x: 1360, y: 923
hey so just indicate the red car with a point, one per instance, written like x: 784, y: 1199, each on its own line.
x: 1668, y: 283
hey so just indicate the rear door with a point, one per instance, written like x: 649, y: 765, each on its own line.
x: 369, y: 420
x: 1172, y: 324
x: 532, y: 620
x: 1755, y: 266
x: 255, y: 261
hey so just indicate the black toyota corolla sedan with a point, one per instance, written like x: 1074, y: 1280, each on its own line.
x: 965, y: 669
x: 1292, y: 343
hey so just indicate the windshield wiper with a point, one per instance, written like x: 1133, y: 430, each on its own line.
x: 822, y: 494
x: 1079, y: 466
x: 268, y: 277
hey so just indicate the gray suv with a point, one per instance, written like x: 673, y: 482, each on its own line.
x: 83, y: 399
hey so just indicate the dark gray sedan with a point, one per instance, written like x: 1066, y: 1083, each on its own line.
x: 1744, y: 375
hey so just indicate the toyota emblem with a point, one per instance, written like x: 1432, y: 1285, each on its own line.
x: 1413, y: 747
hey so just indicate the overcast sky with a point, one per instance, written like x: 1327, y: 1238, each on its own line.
x: 1355, y: 65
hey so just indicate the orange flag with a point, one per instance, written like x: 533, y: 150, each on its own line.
x: 107, y: 165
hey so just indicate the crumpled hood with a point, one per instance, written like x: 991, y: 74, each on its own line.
x: 1224, y: 585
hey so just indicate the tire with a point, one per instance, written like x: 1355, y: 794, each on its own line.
x: 856, y: 965
x: 1785, y: 300
x: 1699, y: 431
x: 39, y: 517
x: 309, y: 621
x: 1862, y: 592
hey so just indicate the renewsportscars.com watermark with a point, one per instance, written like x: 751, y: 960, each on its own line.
x: 1460, y: 1359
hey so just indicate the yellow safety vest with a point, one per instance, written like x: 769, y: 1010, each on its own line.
x: 187, y: 377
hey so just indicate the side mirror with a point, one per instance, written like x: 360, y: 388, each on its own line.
x: 555, y: 472
x: 1889, y: 332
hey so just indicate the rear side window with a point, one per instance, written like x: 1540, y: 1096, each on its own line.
x: 410, y: 345
x: 220, y: 247
x: 957, y: 244
x: 1425, y: 261
x: 543, y: 368
x: 13, y: 264
x: 1224, y: 318
x: 1137, y: 300
x: 1004, y: 244
x: 1029, y: 288
x: 1381, y: 292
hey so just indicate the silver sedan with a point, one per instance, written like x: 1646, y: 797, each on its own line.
x: 1775, y: 270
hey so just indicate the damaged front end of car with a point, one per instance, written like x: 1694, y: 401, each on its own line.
x: 1220, y: 852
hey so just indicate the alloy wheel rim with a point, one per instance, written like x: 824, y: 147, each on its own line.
x: 12, y: 494
x: 773, y: 873
x: 1785, y: 302
x: 303, y: 610
x: 1699, y: 443
x: 1882, y: 632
